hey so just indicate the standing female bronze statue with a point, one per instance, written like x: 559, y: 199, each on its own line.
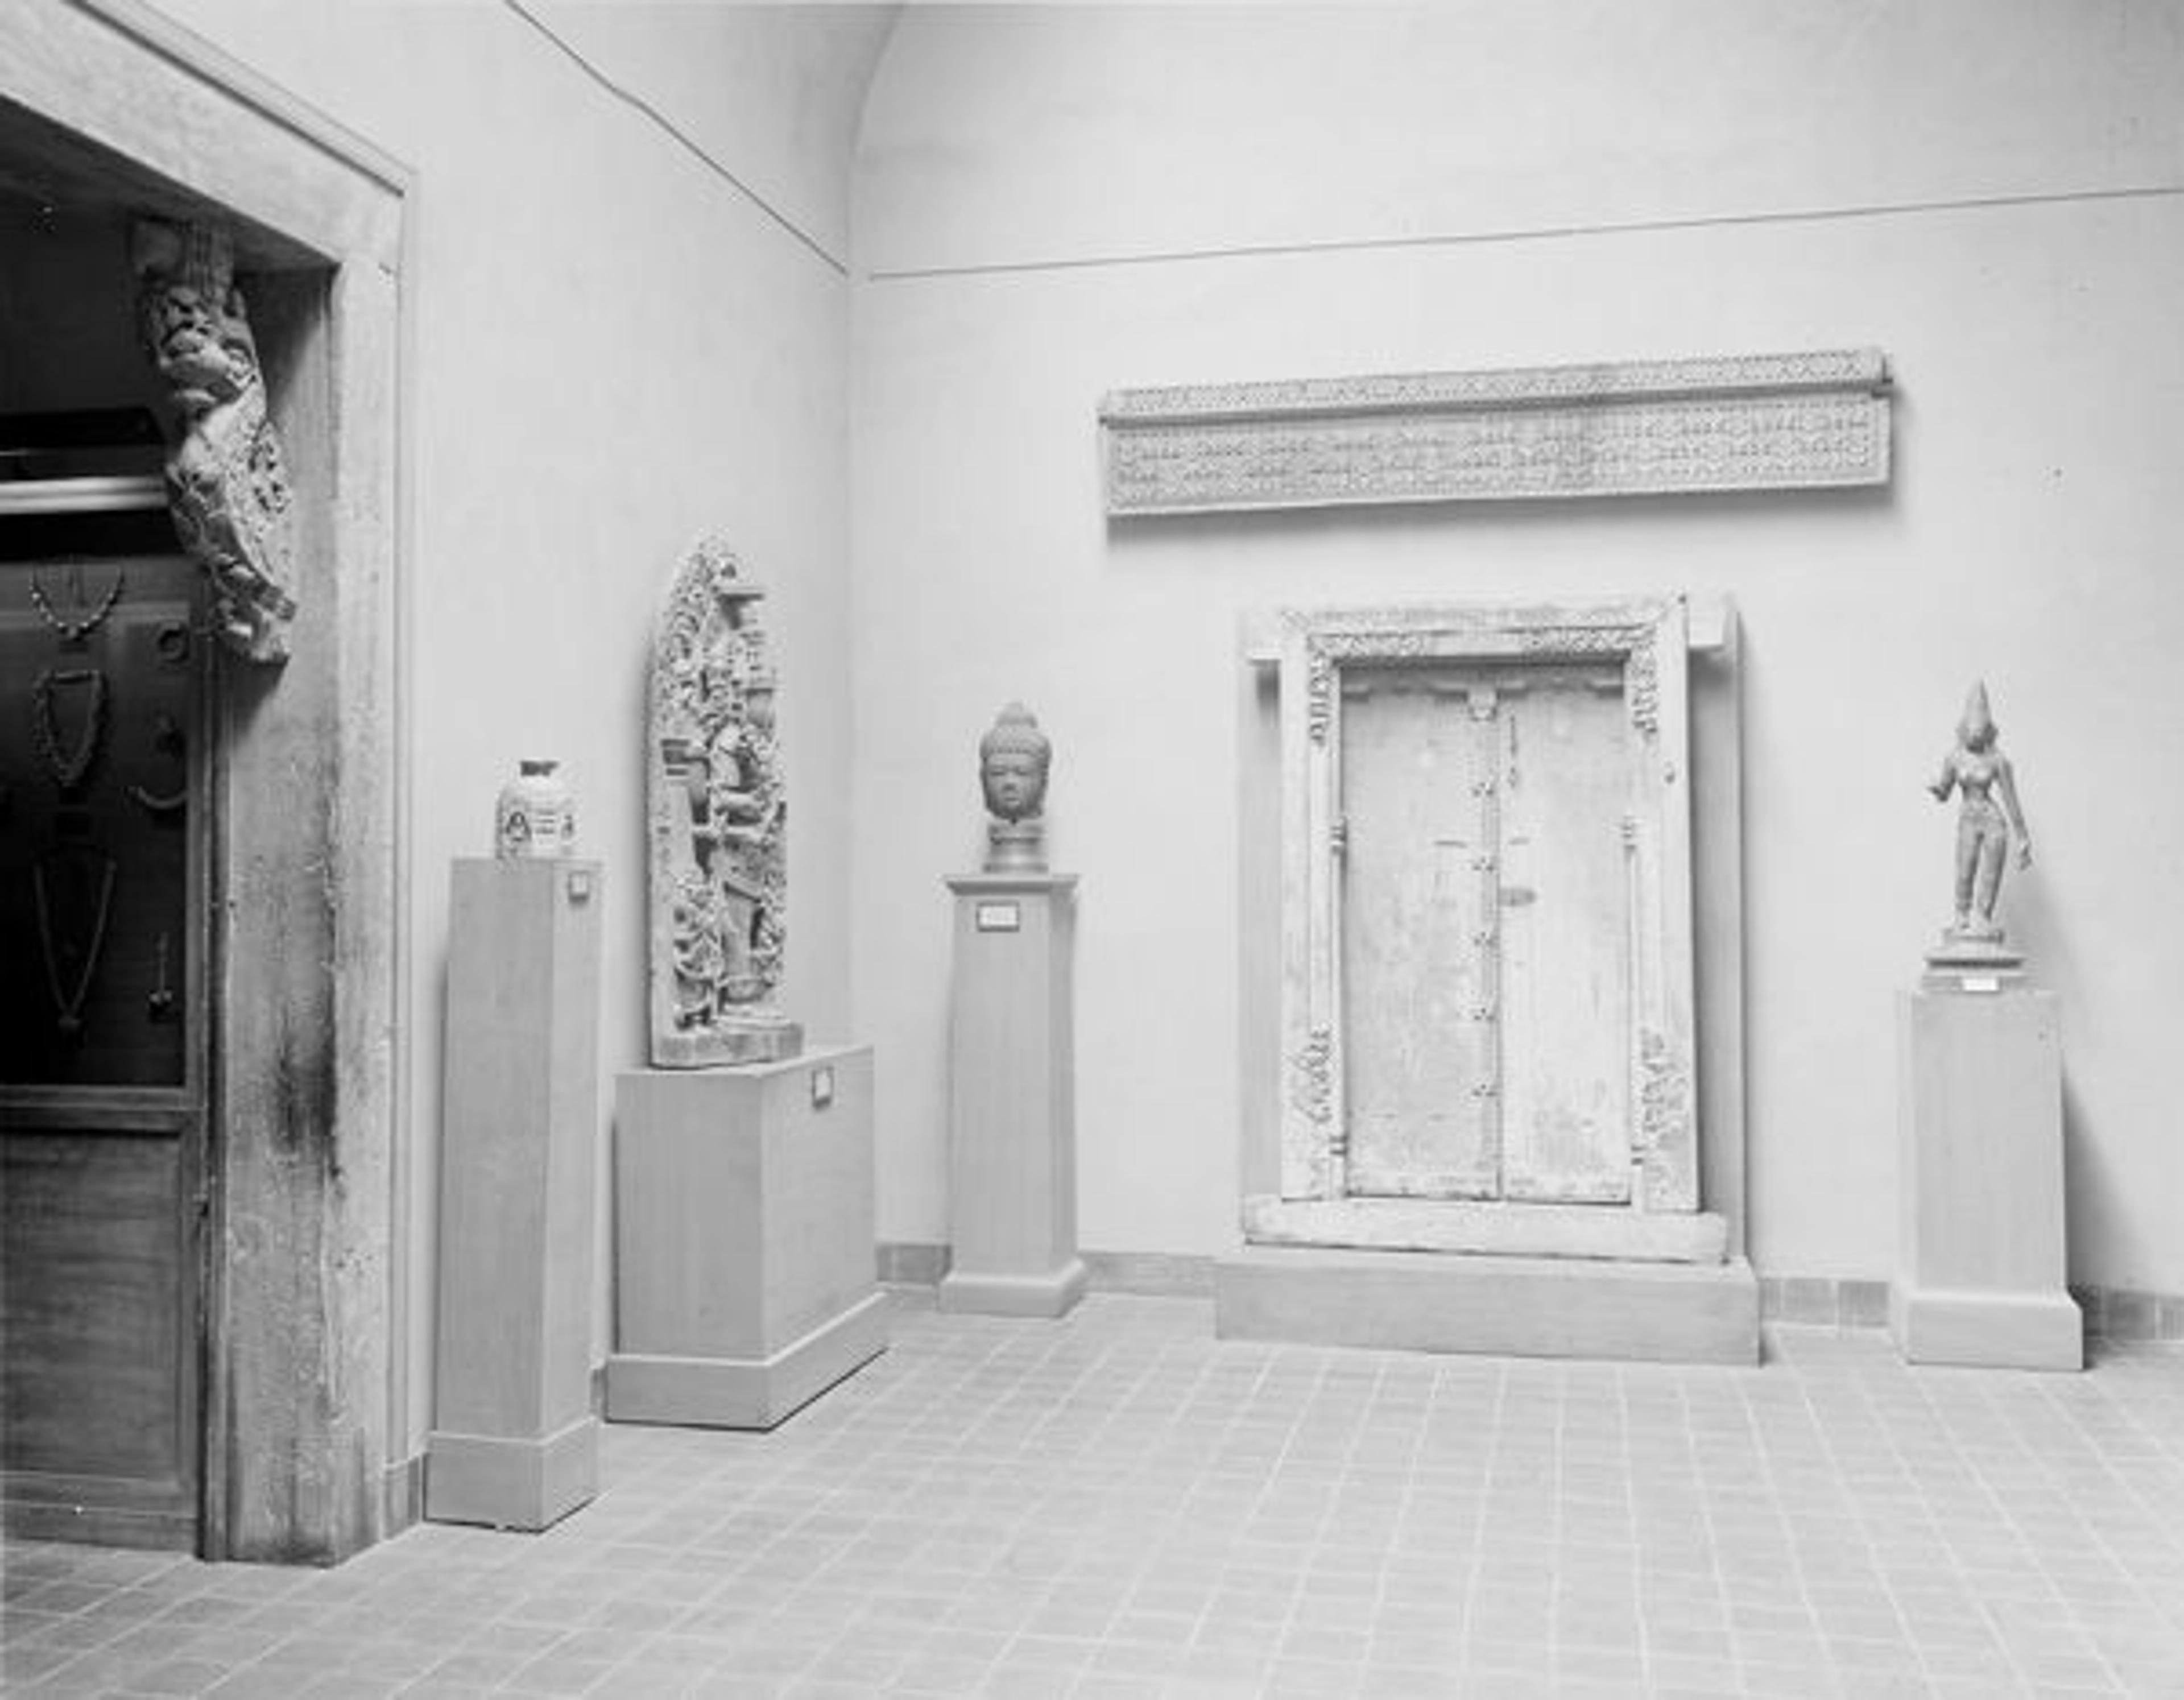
x: 1981, y: 772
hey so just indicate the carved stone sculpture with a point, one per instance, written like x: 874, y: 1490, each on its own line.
x: 1977, y: 770
x: 226, y: 483
x: 718, y: 820
x: 1014, y: 759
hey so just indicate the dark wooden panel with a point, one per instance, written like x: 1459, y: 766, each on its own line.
x: 97, y: 928
x: 92, y: 1310
x: 100, y: 1510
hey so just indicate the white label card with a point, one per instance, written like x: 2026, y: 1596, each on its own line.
x: 999, y: 918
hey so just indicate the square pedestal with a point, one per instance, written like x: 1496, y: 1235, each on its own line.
x: 1519, y: 1306
x: 1012, y: 1093
x: 1980, y: 1266
x: 514, y: 1442
x: 743, y: 1252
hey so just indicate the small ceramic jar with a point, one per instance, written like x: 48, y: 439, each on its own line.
x: 535, y: 816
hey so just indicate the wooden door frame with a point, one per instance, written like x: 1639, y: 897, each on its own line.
x: 1293, y: 1173
x: 306, y: 1303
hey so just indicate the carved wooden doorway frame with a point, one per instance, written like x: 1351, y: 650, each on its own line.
x: 305, y: 1300
x: 1647, y: 638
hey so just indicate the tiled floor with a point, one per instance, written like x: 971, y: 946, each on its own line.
x: 1118, y: 1507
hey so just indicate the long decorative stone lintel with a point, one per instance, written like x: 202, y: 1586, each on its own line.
x: 1816, y: 420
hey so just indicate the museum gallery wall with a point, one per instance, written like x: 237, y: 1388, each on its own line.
x: 610, y: 347
x: 1056, y: 205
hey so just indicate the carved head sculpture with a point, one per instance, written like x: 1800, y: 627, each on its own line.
x: 1975, y: 728
x: 194, y: 325
x: 1014, y: 757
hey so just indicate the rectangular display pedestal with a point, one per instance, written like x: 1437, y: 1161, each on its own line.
x: 744, y: 1253
x: 1981, y: 1258
x: 1519, y: 1306
x: 512, y: 1483
x: 1012, y: 1095
x: 514, y: 1442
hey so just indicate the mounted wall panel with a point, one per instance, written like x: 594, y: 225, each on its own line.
x: 1817, y: 420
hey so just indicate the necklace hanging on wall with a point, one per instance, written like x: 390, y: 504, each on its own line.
x: 73, y: 632
x: 168, y: 739
x: 68, y: 766
x: 159, y: 1005
x: 69, y: 1000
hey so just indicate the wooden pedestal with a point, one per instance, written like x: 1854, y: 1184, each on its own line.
x: 1012, y: 1141
x: 514, y: 1441
x: 1980, y: 1267
x: 745, y: 1283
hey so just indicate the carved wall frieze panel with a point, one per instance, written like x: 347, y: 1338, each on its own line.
x: 1754, y: 423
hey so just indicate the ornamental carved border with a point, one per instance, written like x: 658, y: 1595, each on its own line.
x: 1816, y: 420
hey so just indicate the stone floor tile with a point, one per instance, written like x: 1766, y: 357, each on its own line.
x: 1117, y: 1507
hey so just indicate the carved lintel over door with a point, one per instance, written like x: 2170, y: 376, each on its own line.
x: 1487, y: 989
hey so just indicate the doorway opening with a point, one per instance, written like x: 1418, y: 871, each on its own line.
x: 197, y: 1114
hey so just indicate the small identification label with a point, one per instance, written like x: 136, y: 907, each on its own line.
x: 580, y: 886
x: 823, y: 1087
x: 999, y: 918
x: 1980, y: 983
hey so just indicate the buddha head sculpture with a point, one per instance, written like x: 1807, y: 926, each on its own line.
x: 1013, y: 760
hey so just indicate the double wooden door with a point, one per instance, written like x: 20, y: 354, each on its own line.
x: 1486, y: 906
x: 103, y: 788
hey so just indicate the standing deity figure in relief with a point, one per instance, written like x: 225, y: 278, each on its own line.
x: 227, y: 486
x: 719, y: 818
x: 1979, y: 770
x: 1014, y: 759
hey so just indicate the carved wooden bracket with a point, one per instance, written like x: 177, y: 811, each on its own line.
x: 1746, y: 422
x: 227, y: 481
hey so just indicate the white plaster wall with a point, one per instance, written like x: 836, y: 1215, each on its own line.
x: 1055, y: 202
x: 614, y: 348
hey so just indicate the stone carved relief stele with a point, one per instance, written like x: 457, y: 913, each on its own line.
x: 718, y: 820
x: 1747, y: 422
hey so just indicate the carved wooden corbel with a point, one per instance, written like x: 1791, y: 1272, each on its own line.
x: 227, y: 481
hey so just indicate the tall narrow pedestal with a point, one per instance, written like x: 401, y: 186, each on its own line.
x: 514, y: 1441
x: 1981, y: 1270
x: 1012, y: 1149
x: 745, y: 1262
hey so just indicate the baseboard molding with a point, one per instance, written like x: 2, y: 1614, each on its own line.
x: 2118, y: 1313
x: 401, y: 1495
x: 2130, y: 1313
x: 1155, y: 1274
x: 910, y: 1263
x: 1824, y: 1300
